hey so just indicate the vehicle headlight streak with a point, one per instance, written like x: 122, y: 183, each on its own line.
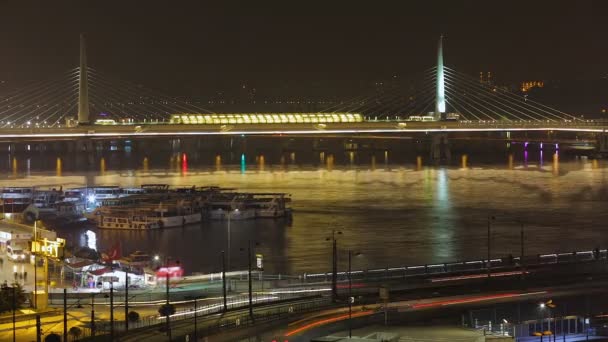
x: 218, y: 306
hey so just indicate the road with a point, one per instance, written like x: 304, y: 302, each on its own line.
x: 299, y: 129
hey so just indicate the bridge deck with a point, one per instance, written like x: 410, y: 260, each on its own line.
x: 375, y: 127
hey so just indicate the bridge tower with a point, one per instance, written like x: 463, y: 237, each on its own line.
x: 440, y: 85
x: 83, y: 87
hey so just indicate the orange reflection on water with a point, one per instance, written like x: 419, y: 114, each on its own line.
x: 218, y: 162
x: 58, y: 167
x: 102, y: 166
x: 330, y: 162
x: 555, y: 163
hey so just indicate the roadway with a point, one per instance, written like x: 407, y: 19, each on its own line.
x: 300, y: 129
x: 435, y: 278
x: 300, y: 327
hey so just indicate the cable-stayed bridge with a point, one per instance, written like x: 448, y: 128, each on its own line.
x: 84, y: 103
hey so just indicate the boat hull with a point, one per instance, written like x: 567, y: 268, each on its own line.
x: 150, y: 222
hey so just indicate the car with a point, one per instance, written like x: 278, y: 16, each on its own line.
x: 16, y: 254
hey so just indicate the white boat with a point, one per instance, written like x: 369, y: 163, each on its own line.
x: 69, y: 211
x: 145, y: 216
x: 16, y: 199
x: 270, y: 205
x: 224, y: 212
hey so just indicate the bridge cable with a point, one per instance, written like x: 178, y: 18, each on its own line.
x: 507, y: 96
x: 494, y: 98
x: 489, y: 100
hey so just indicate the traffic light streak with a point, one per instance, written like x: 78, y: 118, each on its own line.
x: 326, y: 321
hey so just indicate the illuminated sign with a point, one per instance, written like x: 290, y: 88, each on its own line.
x: 171, y: 271
x: 259, y: 258
x: 52, y: 249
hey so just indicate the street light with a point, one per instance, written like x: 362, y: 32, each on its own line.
x: 350, y: 293
x: 489, y: 265
x: 542, y: 306
x: 224, y: 281
x: 230, y: 213
x: 167, y: 311
x: 195, y: 298
x: 334, y: 271
x: 249, y: 257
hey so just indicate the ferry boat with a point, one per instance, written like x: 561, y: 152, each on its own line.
x: 146, y: 216
x: 63, y: 211
x: 137, y: 259
x: 227, y: 212
x: 16, y: 199
x: 270, y: 205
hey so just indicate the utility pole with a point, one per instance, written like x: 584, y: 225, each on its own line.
x: 224, y: 281
x: 250, y: 285
x: 14, y: 309
x: 65, y: 314
x: 521, y: 236
x: 126, y: 301
x: 38, y: 329
x: 167, y: 288
x: 93, y: 314
x: 489, y: 265
x: 350, y: 296
x: 334, y: 271
x: 195, y: 326
x: 111, y: 309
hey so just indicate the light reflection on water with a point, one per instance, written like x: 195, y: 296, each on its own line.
x: 393, y: 214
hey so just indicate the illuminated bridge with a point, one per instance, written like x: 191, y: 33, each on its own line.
x: 84, y: 104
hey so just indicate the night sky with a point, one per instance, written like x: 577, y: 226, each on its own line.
x: 191, y: 47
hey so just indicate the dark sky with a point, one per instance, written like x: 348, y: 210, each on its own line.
x: 198, y: 45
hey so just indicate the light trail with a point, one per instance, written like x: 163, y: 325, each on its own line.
x: 473, y: 299
x: 297, y: 132
x: 327, y: 321
x: 476, y: 276
x: 217, y: 306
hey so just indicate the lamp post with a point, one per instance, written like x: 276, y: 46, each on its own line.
x: 489, y: 265
x: 249, y: 266
x: 35, y: 267
x: 334, y: 270
x: 224, y: 281
x: 167, y: 303
x: 93, y: 314
x: 195, y: 298
x: 249, y: 278
x: 230, y: 213
x: 542, y: 306
x: 350, y: 293
x: 521, y: 242
x: 126, y: 300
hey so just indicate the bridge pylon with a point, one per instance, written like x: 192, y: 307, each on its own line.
x: 440, y: 83
x: 83, y: 87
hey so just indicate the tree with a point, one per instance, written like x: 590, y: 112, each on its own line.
x: 52, y: 338
x: 6, y: 297
x: 75, y: 332
x: 133, y: 316
x: 166, y: 310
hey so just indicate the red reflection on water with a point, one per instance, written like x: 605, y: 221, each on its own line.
x: 184, y: 163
